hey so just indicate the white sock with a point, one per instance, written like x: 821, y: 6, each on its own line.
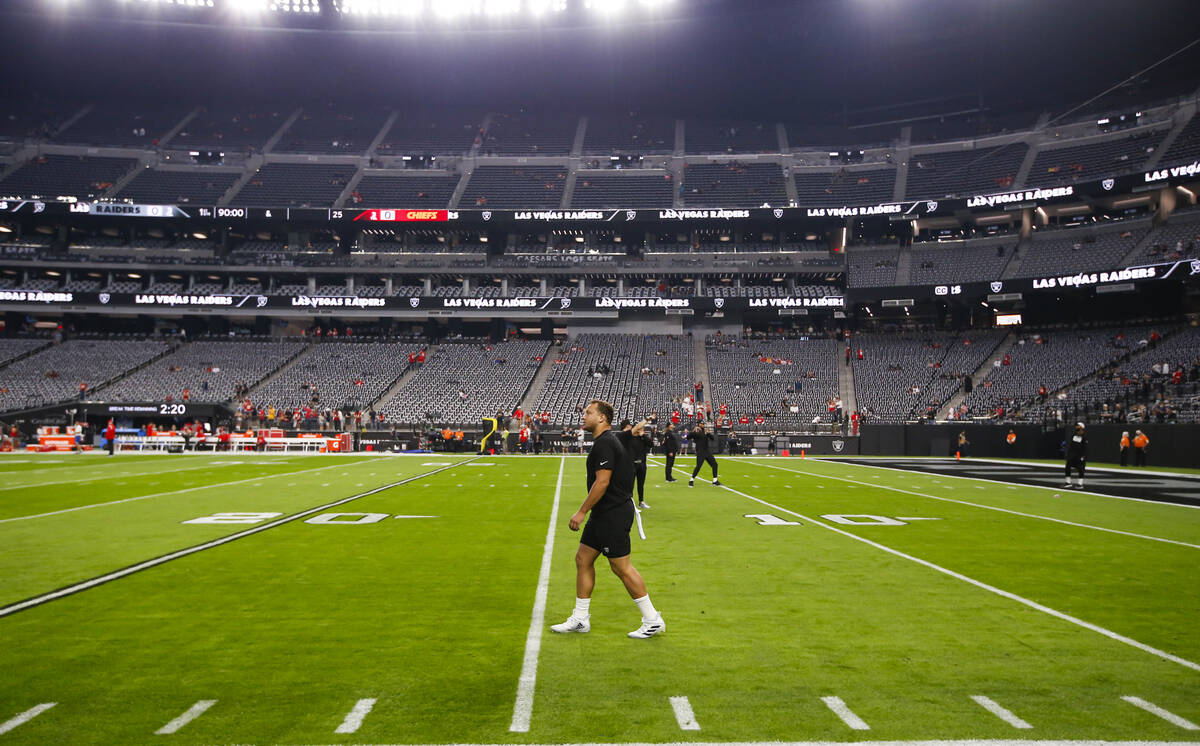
x: 581, y: 608
x: 647, y: 608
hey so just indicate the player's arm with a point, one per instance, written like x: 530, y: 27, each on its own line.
x: 599, y: 487
x: 640, y: 428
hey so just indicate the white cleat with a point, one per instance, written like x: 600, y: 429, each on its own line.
x: 573, y: 624
x: 642, y: 506
x: 650, y: 629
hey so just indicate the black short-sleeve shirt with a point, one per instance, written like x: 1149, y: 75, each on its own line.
x: 608, y: 453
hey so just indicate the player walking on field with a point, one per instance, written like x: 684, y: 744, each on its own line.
x: 1076, y: 455
x: 610, y: 501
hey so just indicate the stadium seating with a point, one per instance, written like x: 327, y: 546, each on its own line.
x: 569, y: 388
x: 868, y: 268
x: 961, y: 172
x: 730, y: 137
x: 734, y: 185
x: 527, y: 133
x: 404, y: 191
x: 116, y: 125
x: 157, y: 186
x: 667, y: 373
x: 1186, y: 148
x: 54, y: 374
x: 515, y: 187
x: 432, y: 133
x: 1053, y: 253
x: 1111, y: 157
x: 597, y: 190
x: 909, y: 376
x: 51, y: 176
x: 968, y: 261
x: 210, y: 370
x: 770, y: 378
x: 294, y: 185
x: 630, y: 134
x: 13, y: 348
x: 347, y: 375
x: 844, y: 187
x: 462, y: 382
x: 224, y: 128
x: 331, y: 130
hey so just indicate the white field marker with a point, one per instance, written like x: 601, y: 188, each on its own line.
x: 523, y: 708
x: 25, y: 717
x: 193, y: 712
x: 1004, y: 714
x: 354, y: 718
x: 683, y: 713
x: 1154, y: 709
x: 840, y: 709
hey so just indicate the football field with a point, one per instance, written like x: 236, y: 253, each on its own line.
x: 374, y: 599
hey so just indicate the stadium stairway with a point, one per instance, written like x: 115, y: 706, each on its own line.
x: 34, y: 351
x: 700, y: 364
x: 1014, y: 262
x: 1169, y: 140
x: 903, y: 269
x: 1137, y: 255
x: 402, y: 381
x: 287, y: 364
x: 977, y: 377
x: 846, y: 385
x: 99, y: 387
x: 539, y: 379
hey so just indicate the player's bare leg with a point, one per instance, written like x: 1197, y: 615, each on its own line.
x: 652, y: 621
x: 585, y: 581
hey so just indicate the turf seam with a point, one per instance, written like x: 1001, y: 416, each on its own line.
x: 81, y: 586
x: 979, y: 584
x: 976, y: 505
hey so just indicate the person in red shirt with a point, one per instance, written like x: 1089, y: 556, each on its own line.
x: 110, y: 435
x: 724, y: 410
x: 421, y: 357
x: 261, y: 441
x: 412, y: 358
x: 223, y: 439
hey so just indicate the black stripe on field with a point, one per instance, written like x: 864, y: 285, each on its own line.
x: 81, y: 586
x: 1156, y: 487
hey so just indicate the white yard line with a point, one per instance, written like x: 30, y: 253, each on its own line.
x: 193, y: 712
x: 354, y: 718
x: 523, y: 708
x: 1013, y: 486
x: 164, y: 494
x: 86, y: 584
x: 1154, y: 709
x: 25, y: 717
x: 980, y: 584
x: 683, y: 713
x: 980, y: 505
x: 1004, y: 714
x: 839, y: 708
x: 150, y: 473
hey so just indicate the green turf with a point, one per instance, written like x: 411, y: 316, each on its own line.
x: 289, y: 627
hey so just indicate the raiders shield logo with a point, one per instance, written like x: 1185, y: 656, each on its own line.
x: 630, y: 214
x: 105, y: 297
x: 719, y: 302
x: 838, y: 445
x: 1195, y: 267
x: 777, y: 212
x: 1108, y: 184
x: 997, y: 287
x: 931, y: 206
x: 487, y: 214
x: 564, y: 302
x: 414, y: 302
x: 261, y: 301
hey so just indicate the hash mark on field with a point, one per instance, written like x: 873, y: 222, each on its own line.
x: 354, y: 718
x: 25, y: 717
x: 840, y: 709
x: 683, y: 713
x: 1154, y: 709
x: 1004, y: 714
x: 193, y: 712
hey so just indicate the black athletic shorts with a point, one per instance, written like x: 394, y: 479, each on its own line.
x: 608, y: 532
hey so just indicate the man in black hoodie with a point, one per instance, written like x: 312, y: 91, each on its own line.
x: 703, y: 441
x: 1076, y: 455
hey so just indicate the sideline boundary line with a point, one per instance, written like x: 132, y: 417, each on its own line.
x: 980, y: 584
x: 135, y: 498
x: 527, y: 682
x: 163, y: 559
x: 977, y: 505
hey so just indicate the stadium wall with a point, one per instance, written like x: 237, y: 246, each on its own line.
x: 1170, y: 445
